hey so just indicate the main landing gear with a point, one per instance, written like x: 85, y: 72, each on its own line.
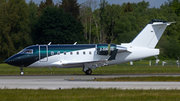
x: 22, y: 73
x: 88, y: 72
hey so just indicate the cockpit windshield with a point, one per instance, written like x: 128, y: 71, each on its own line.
x: 27, y: 51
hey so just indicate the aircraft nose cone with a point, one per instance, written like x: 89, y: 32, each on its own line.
x: 14, y: 61
x: 7, y: 61
x: 10, y: 61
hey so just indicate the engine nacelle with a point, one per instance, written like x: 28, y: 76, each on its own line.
x: 105, y: 49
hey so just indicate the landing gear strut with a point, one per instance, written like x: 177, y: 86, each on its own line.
x: 22, y: 73
x: 88, y: 72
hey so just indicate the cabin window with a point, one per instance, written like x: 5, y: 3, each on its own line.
x: 84, y: 52
x: 90, y: 52
x: 52, y: 53
x: 71, y: 53
x: 58, y: 52
x: 64, y: 52
x: 77, y: 53
x: 27, y: 51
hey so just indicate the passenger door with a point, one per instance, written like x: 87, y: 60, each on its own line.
x: 43, y: 53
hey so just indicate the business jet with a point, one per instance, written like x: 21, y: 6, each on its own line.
x: 91, y: 56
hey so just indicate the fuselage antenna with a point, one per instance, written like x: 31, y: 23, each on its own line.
x: 49, y: 43
x: 75, y: 43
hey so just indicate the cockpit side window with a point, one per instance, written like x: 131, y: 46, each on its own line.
x: 27, y: 51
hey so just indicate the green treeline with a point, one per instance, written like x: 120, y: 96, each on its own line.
x: 23, y: 24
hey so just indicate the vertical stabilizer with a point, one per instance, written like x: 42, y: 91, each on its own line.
x: 151, y: 34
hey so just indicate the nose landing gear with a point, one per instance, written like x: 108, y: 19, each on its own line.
x: 22, y: 73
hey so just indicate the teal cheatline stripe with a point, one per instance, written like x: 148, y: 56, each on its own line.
x: 67, y: 48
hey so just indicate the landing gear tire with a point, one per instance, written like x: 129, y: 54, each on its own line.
x: 88, y: 72
x: 22, y: 73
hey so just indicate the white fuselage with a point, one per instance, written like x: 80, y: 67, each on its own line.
x: 78, y: 58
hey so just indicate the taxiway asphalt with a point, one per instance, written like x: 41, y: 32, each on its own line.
x: 82, y: 81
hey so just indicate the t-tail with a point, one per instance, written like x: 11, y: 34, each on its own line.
x: 151, y: 34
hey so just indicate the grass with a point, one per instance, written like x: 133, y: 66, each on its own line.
x: 114, y: 69
x: 153, y: 78
x: 89, y: 95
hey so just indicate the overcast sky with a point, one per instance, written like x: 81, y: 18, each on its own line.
x: 153, y: 3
